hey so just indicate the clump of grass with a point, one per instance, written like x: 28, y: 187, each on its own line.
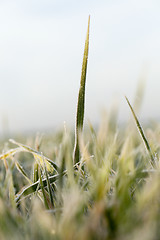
x: 106, y: 190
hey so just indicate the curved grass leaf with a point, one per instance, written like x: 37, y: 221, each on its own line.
x: 146, y: 143
x: 11, y: 152
x: 32, y: 188
x: 38, y: 156
x: 81, y: 99
x: 36, y: 186
x: 22, y: 171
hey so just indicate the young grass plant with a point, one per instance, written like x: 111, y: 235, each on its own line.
x: 104, y: 190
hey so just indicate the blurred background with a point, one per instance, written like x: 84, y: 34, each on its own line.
x: 41, y: 52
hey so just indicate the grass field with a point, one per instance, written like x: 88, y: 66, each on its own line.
x: 98, y: 183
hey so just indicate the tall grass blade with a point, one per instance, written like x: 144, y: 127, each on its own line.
x: 81, y: 99
x: 146, y: 143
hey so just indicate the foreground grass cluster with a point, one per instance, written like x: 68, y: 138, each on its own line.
x: 99, y: 184
x: 112, y: 193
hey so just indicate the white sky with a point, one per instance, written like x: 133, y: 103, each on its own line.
x: 41, y: 51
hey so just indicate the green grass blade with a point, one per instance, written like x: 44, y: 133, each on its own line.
x: 32, y: 188
x: 11, y: 190
x: 50, y: 163
x: 35, y: 172
x: 22, y: 171
x: 43, y: 192
x: 35, y: 186
x: 11, y: 152
x: 140, y: 129
x: 48, y: 184
x: 81, y: 98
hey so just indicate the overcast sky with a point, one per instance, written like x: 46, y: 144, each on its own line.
x: 41, y: 51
